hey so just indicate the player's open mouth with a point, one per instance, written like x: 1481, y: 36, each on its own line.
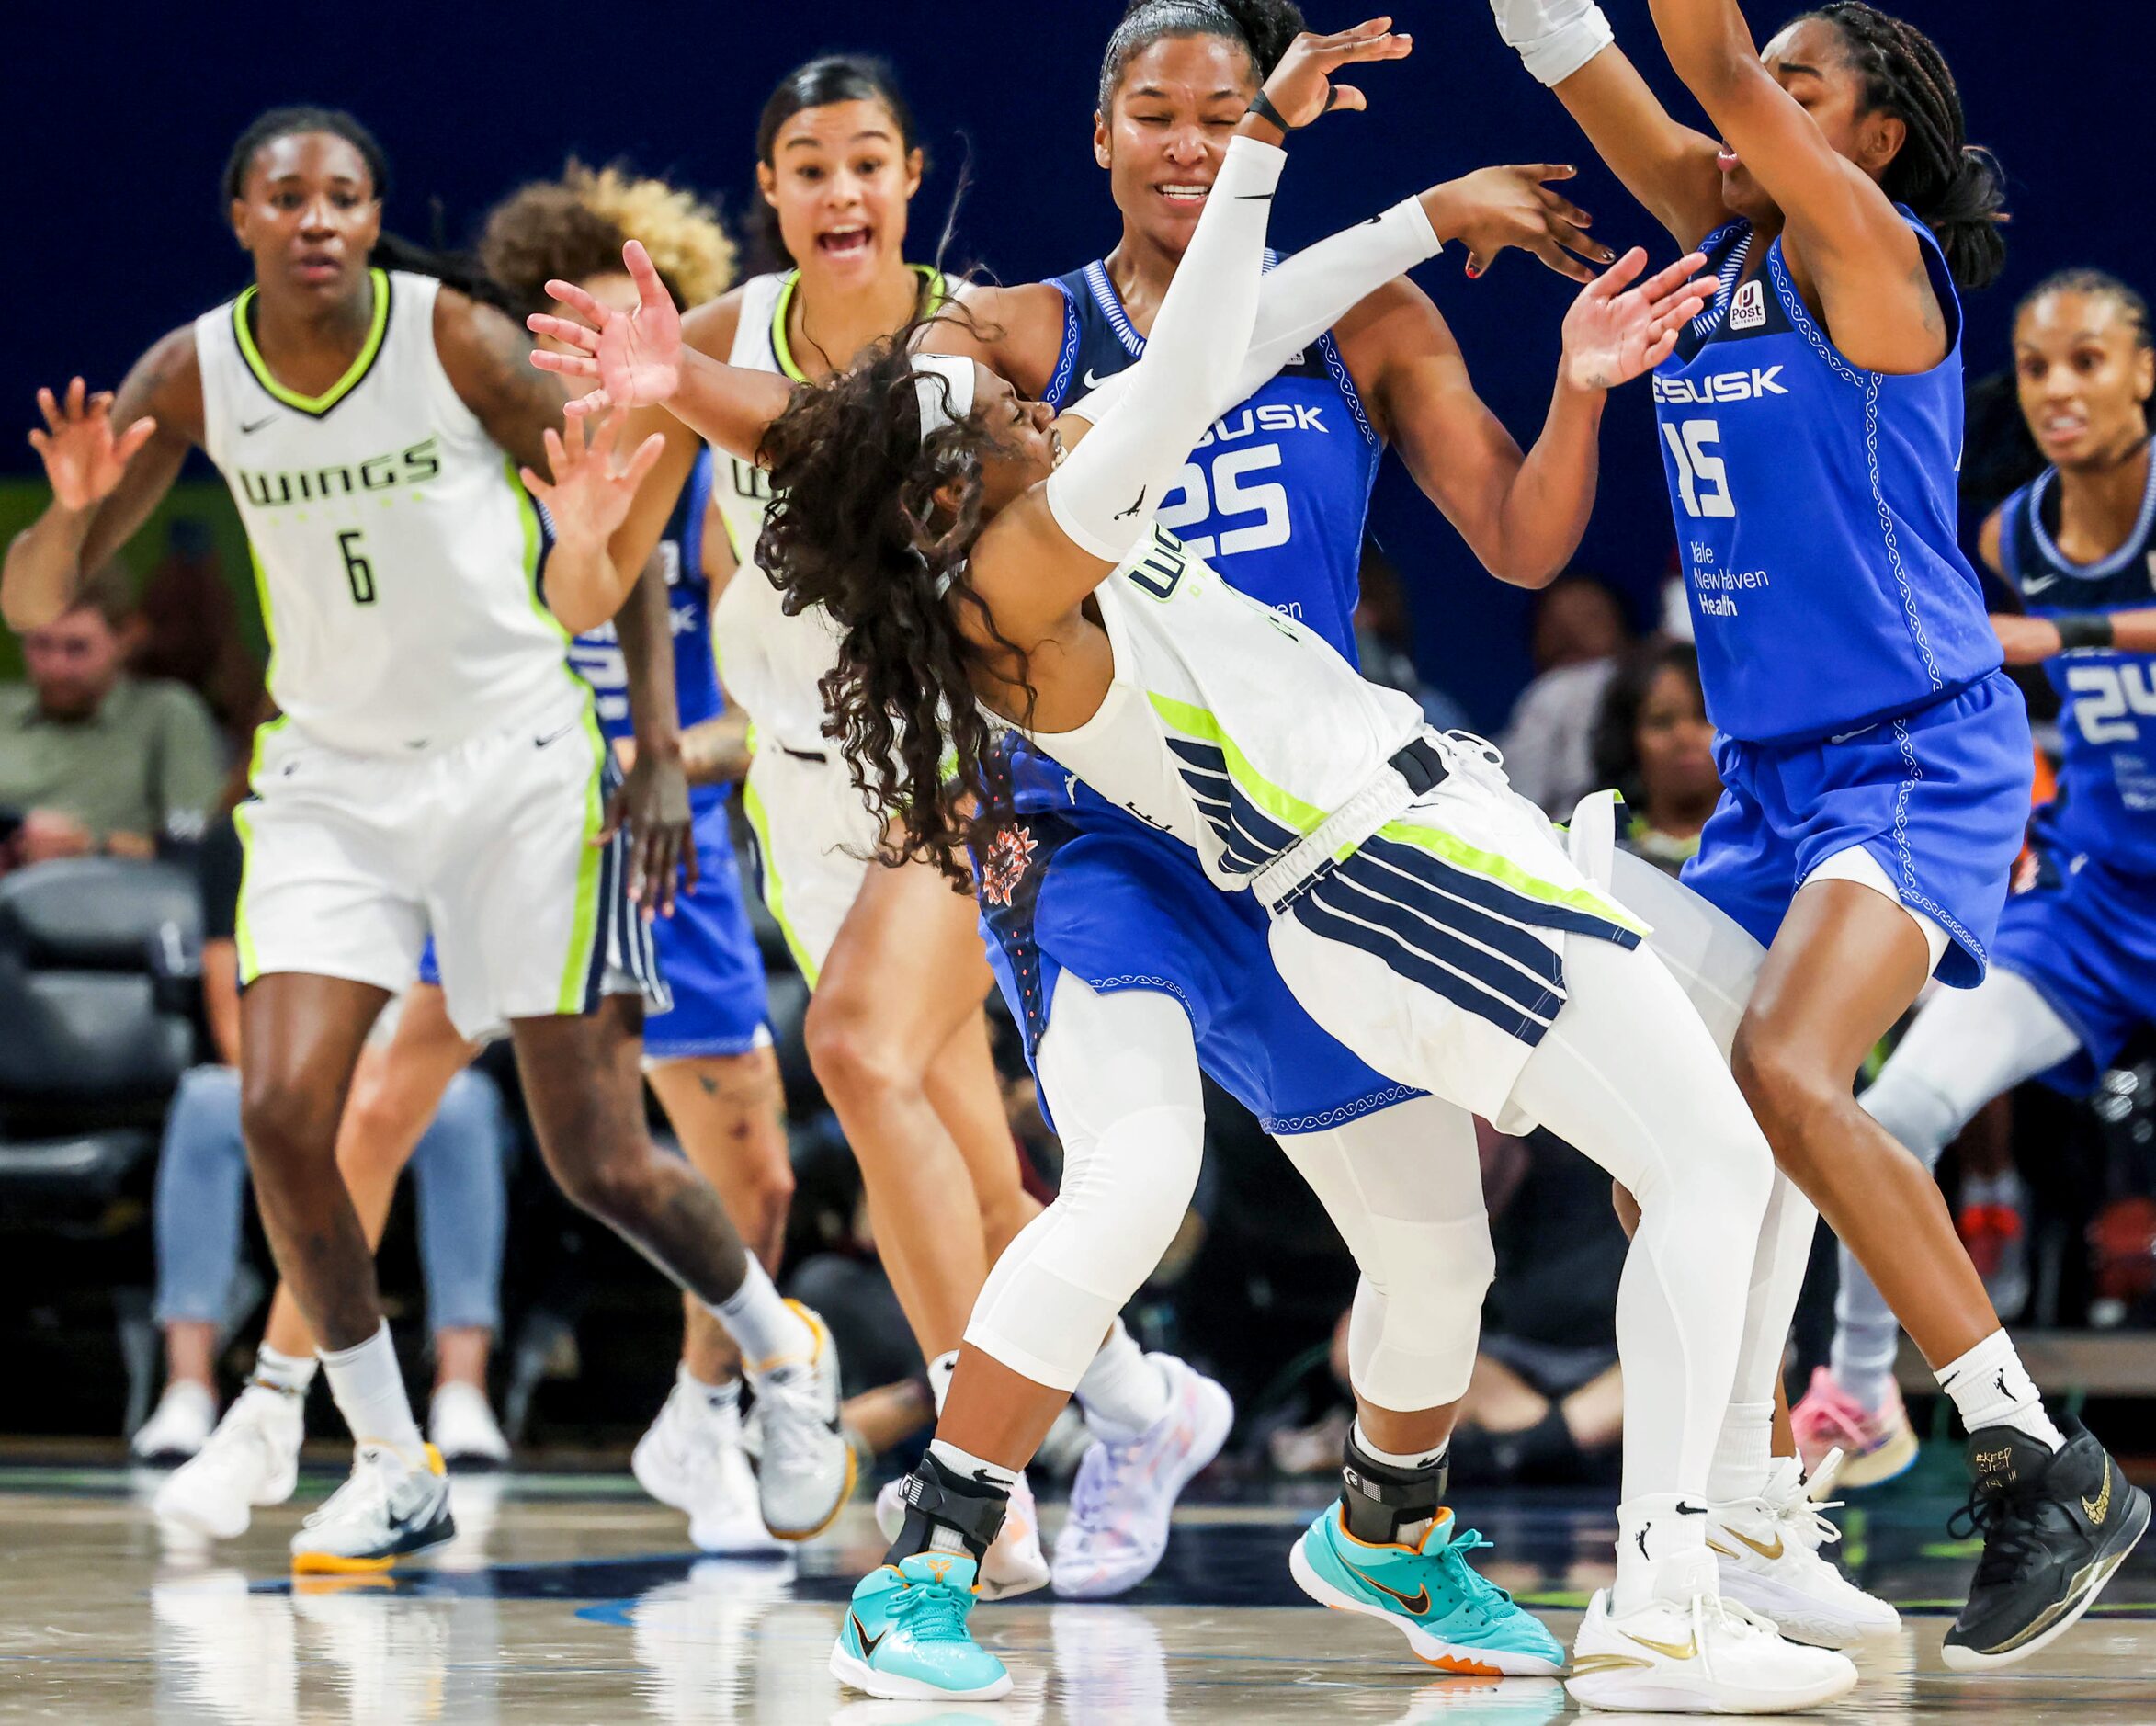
x: 2064, y: 428
x: 845, y: 243
x: 1193, y: 196
x: 1729, y: 162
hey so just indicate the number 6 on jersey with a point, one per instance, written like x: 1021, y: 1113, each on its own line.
x: 358, y: 570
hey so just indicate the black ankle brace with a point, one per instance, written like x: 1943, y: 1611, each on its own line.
x: 1377, y: 1498
x: 937, y: 1498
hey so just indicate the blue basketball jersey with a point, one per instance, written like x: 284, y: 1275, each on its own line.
x: 1815, y: 512
x: 597, y: 654
x: 1275, y: 497
x: 2107, y: 805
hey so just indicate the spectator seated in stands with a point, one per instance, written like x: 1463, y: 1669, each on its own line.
x: 1579, y: 633
x: 92, y: 760
x: 459, y: 1168
x: 1653, y: 742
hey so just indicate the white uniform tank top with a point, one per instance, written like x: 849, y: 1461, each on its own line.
x: 1228, y: 725
x: 396, y: 553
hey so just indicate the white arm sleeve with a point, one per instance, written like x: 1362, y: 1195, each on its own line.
x: 1104, y: 496
x: 1553, y: 38
x: 1306, y: 296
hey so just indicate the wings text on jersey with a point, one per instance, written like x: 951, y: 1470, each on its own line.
x: 414, y: 465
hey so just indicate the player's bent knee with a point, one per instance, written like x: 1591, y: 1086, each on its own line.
x: 286, y: 1123
x: 1786, y: 1089
x: 852, y: 1052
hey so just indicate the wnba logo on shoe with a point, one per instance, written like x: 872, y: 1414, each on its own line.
x: 1008, y: 860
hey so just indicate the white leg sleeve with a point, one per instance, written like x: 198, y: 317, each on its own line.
x: 1121, y: 1074
x: 1628, y: 1074
x: 1404, y: 1188
x: 1966, y: 1046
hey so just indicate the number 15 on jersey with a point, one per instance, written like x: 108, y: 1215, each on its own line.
x: 1703, y: 482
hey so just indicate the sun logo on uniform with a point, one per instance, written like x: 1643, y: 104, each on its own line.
x: 1008, y: 860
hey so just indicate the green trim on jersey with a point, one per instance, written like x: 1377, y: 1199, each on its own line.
x: 773, y: 892
x: 528, y: 518
x: 269, y: 617
x: 316, y: 405
x: 584, y: 923
x: 1458, y: 852
x: 935, y: 290
x: 244, y: 937
x: 1282, y: 805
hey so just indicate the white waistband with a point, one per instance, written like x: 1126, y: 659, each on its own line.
x: 1383, y: 796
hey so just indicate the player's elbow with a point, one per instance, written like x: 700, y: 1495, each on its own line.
x: 1531, y: 567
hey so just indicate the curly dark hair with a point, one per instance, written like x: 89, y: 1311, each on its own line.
x: 858, y: 527
x: 1265, y: 27
x: 1956, y: 189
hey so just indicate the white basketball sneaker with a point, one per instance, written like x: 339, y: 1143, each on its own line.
x: 674, y: 1454
x: 461, y: 1426
x: 391, y: 1506
x: 806, y: 1471
x: 1125, y: 1494
x: 1703, y: 1654
x: 1771, y: 1561
x: 1014, y: 1565
x: 178, y: 1426
x: 251, y: 1459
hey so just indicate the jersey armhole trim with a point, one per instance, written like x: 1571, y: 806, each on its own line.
x: 316, y: 406
x: 1058, y: 385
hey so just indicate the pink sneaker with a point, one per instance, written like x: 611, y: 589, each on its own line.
x: 1875, y: 1447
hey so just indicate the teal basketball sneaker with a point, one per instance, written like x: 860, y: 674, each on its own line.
x: 1453, y: 1619
x: 905, y: 1635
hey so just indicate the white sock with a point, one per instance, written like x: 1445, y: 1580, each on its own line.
x: 939, y: 1377
x: 1124, y: 1390
x: 768, y: 1333
x: 290, y: 1375
x: 969, y: 1467
x: 1657, y: 1540
x: 1744, y: 1455
x: 1992, y: 1388
x: 718, y: 1398
x: 1417, y: 1461
x: 369, y: 1390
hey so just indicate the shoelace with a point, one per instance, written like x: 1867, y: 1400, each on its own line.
x: 2011, y: 1540
x: 1477, y: 1592
x: 1730, y: 1615
x: 931, y: 1612
x: 1802, y: 1517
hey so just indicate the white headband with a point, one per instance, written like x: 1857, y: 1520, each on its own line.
x: 941, y: 407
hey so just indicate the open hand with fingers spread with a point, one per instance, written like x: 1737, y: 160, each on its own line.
x: 590, y: 495
x: 83, y: 458
x: 1302, y: 86
x: 635, y: 356
x: 1615, y: 331
x: 1493, y: 208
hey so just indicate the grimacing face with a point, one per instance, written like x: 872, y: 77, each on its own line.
x: 1166, y: 130
x: 2083, y: 377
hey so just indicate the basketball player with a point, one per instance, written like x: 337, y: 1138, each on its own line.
x: 707, y: 1052
x: 894, y: 956
x: 1876, y: 760
x: 438, y: 763
x: 1421, y: 911
x: 2073, y: 969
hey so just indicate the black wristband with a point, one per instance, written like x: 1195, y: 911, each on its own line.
x: 2084, y: 628
x: 1262, y: 106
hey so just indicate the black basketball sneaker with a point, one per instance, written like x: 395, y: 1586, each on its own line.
x: 2055, y: 1527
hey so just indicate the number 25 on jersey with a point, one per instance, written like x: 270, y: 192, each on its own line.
x: 1702, y: 480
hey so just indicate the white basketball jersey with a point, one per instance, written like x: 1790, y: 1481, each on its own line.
x: 1228, y: 725
x: 396, y: 553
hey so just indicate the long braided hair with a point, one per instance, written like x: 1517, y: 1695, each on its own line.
x: 1956, y: 189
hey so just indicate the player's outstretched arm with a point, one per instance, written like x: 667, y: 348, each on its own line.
x: 105, y: 481
x: 1669, y: 167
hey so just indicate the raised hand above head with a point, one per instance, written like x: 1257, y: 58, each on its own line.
x: 1615, y: 331
x: 83, y: 458
x: 636, y: 356
x: 1302, y: 86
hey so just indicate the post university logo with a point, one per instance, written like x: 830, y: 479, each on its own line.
x: 1748, y: 311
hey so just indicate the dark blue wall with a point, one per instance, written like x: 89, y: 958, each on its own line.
x: 120, y: 123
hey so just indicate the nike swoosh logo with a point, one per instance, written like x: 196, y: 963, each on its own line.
x: 254, y: 426
x: 553, y: 737
x: 1415, y: 1604
x: 868, y: 1643
x: 2036, y: 584
x: 1686, y: 1650
x: 2099, y: 1507
x: 1093, y: 379
x: 1769, y: 1553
